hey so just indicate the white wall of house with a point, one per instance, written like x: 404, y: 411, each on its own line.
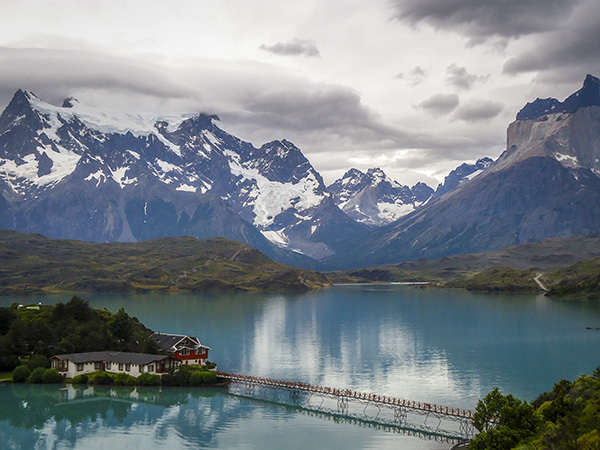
x: 134, y: 370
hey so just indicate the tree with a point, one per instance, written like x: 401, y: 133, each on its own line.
x: 503, y: 421
x: 120, y: 326
x: 7, y: 315
x: 78, y: 308
x: 21, y: 373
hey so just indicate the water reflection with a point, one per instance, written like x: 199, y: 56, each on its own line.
x: 45, y: 417
x: 437, y: 346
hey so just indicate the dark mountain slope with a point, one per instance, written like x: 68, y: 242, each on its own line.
x: 546, y: 184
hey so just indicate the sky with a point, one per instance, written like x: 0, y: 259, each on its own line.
x: 415, y: 87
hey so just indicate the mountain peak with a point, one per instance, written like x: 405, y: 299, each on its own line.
x: 591, y: 80
x: 69, y: 102
x: 588, y: 95
x: 18, y: 109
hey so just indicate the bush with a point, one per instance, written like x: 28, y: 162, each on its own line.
x: 148, y: 379
x: 80, y: 379
x: 198, y: 378
x: 210, y: 365
x: 124, y: 379
x: 51, y: 376
x: 209, y: 377
x: 102, y: 378
x: 21, y: 373
x: 170, y: 378
x: 38, y: 361
x: 36, y: 375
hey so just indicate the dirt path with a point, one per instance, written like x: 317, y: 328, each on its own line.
x: 540, y: 284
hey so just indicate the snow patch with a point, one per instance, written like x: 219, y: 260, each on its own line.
x: 389, y: 212
x: 120, y: 176
x: 271, y: 198
x: 186, y: 188
x: 167, y: 166
x: 63, y: 164
x: 568, y: 159
x: 473, y: 175
x: 98, y: 176
x: 277, y: 237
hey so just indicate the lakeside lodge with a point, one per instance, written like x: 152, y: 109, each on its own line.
x: 181, y: 349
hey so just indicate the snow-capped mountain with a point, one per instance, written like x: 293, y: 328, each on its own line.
x: 546, y: 184
x: 375, y: 199
x: 76, y: 172
x: 461, y: 174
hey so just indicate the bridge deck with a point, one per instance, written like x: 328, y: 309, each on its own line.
x: 438, y: 410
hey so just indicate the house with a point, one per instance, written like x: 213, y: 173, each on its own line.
x: 187, y: 349
x: 133, y: 364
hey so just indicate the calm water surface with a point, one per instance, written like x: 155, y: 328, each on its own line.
x: 435, y: 346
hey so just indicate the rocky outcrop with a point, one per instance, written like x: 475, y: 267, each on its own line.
x: 546, y: 184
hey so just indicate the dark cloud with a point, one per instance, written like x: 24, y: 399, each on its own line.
x: 483, y: 19
x: 318, y: 113
x: 296, y: 47
x: 440, y: 104
x: 573, y: 49
x: 55, y: 74
x: 459, y: 77
x: 478, y: 110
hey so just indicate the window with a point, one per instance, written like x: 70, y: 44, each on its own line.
x: 108, y: 365
x: 97, y: 365
x: 184, y: 352
x: 79, y: 367
x: 141, y: 368
x: 127, y: 367
x: 150, y: 367
x: 120, y: 366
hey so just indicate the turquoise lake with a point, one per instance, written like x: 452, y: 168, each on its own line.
x: 447, y: 347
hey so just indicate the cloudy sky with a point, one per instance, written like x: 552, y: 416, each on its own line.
x: 415, y: 87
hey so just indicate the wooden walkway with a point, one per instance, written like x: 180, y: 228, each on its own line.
x: 422, y: 408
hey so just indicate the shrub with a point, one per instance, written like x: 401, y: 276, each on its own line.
x: 51, y: 376
x: 210, y: 365
x: 124, y: 379
x: 36, y: 375
x: 196, y: 379
x: 170, y: 378
x: 38, y: 361
x: 102, y: 378
x: 21, y: 373
x: 209, y: 377
x: 148, y: 379
x: 80, y: 379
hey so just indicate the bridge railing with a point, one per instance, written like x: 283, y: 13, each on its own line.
x: 351, y: 394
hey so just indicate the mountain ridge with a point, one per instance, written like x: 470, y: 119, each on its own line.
x: 75, y: 172
x: 546, y: 184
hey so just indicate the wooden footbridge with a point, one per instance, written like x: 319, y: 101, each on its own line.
x: 453, y: 424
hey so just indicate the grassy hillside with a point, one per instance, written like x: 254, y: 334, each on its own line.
x: 499, y: 279
x: 31, y: 263
x: 550, y: 253
x: 579, y: 280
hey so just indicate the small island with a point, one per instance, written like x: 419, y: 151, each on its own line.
x: 75, y: 343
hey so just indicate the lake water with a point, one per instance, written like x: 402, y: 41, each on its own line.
x: 448, y: 347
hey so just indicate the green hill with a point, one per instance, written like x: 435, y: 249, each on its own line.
x: 542, y: 256
x: 32, y: 264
